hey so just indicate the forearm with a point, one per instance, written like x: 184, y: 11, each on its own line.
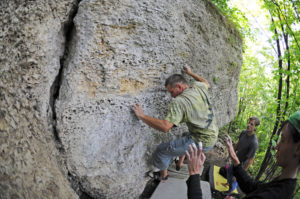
x: 249, y: 162
x: 246, y: 183
x: 194, y: 188
x: 235, y: 146
x: 198, y: 78
x: 158, y: 124
x: 234, y: 158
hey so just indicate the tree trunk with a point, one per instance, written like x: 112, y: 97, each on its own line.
x: 268, y: 154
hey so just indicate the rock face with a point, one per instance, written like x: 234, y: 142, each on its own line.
x: 70, y: 72
x: 31, y: 45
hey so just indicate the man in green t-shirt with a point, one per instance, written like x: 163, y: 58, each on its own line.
x: 191, y: 105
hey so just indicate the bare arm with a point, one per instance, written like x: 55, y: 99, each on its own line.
x: 188, y: 71
x: 247, y: 184
x: 248, y: 163
x: 232, y: 154
x: 235, y: 146
x: 161, y: 125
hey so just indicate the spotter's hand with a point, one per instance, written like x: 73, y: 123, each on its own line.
x: 195, y: 159
x: 228, y: 141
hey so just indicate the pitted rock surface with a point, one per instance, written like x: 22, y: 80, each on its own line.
x: 31, y: 45
x: 67, y: 89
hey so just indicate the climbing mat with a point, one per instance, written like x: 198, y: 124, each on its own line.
x: 219, y: 184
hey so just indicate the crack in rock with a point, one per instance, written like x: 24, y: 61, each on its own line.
x: 68, y: 31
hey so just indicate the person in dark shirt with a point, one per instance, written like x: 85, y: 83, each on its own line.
x: 245, y: 150
x: 247, y: 144
x: 287, y: 157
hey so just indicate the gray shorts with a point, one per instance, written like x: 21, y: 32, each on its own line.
x: 166, y: 151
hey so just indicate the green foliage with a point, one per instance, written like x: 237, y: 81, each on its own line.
x: 260, y: 74
x: 215, y: 79
x: 256, y: 93
x: 259, y: 79
x: 235, y: 17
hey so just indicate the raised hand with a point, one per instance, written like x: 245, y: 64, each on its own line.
x: 231, y: 151
x: 195, y: 159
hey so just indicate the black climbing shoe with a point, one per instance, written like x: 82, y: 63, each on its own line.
x: 177, y: 166
x: 223, y: 172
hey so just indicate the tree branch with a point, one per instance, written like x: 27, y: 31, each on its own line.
x: 287, y: 24
x: 268, y: 154
x: 296, y: 10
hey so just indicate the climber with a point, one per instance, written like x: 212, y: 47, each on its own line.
x: 190, y: 105
x: 287, y: 157
x: 245, y: 150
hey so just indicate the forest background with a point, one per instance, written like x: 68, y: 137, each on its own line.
x: 270, y: 75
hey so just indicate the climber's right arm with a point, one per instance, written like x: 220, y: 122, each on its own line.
x: 161, y: 125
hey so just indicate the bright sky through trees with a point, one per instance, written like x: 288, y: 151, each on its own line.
x: 259, y: 25
x: 270, y: 75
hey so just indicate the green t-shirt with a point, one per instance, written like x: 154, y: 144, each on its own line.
x: 193, y: 107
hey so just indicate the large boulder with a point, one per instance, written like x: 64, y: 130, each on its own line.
x: 31, y: 45
x: 70, y: 72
